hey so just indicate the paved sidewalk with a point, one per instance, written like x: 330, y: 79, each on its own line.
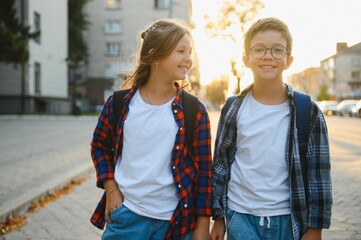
x: 39, y: 154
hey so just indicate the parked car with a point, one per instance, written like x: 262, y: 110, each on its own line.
x: 356, y: 110
x: 328, y: 107
x: 345, y: 106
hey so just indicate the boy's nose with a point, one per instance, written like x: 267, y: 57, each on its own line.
x: 268, y: 53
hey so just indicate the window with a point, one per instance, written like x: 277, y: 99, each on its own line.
x: 355, y: 74
x: 164, y: 4
x: 37, y: 26
x: 37, y: 77
x: 108, y: 73
x: 112, y: 27
x: 355, y: 62
x: 113, y: 48
x: 113, y: 4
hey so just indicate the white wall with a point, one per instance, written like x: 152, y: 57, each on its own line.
x: 51, y: 53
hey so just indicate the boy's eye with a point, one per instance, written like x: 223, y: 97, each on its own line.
x: 278, y: 50
x: 258, y: 49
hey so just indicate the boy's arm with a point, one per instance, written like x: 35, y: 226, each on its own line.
x: 319, y: 176
x: 219, y: 175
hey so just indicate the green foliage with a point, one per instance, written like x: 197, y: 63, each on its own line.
x: 14, y: 35
x: 324, y: 95
x: 78, y: 50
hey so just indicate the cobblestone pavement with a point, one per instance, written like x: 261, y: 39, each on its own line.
x: 68, y: 217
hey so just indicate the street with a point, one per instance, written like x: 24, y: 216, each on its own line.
x: 50, y: 143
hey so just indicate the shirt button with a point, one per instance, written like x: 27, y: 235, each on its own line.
x: 173, y: 167
x: 177, y: 147
x: 185, y: 205
x: 175, y: 111
x: 179, y: 186
x: 180, y: 129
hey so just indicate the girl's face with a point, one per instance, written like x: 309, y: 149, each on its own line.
x: 179, y: 62
x: 268, y: 68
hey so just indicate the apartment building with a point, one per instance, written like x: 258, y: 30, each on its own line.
x: 43, y: 85
x: 309, y: 81
x: 342, y: 71
x: 113, y: 38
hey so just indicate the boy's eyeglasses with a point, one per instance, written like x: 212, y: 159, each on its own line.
x: 277, y: 52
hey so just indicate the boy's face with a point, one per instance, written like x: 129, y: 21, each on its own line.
x: 275, y: 60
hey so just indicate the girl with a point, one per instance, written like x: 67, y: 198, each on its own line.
x: 155, y: 187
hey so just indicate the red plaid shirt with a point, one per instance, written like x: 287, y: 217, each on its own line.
x: 191, y: 170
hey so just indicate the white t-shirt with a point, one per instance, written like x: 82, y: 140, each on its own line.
x: 143, y: 171
x: 259, y: 183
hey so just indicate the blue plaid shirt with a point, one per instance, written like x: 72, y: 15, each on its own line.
x: 307, y: 210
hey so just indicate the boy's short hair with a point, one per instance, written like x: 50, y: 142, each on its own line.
x: 264, y: 24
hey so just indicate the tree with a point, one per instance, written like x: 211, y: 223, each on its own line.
x: 231, y: 21
x: 323, y: 95
x: 215, y: 91
x: 14, y: 38
x: 77, y: 47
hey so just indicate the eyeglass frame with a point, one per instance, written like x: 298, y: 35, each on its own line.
x: 266, y: 49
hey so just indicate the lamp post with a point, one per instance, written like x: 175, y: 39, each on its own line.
x: 72, y: 79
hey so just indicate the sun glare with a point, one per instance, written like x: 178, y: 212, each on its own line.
x: 215, y: 53
x: 316, y: 27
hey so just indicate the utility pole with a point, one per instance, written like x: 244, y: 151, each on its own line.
x: 23, y: 79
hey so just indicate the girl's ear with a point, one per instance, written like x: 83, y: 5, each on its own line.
x: 151, y: 51
x: 289, y: 62
x: 245, y: 60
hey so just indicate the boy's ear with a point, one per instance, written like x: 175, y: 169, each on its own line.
x: 289, y: 62
x: 245, y: 60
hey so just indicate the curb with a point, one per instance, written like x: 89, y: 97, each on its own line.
x: 21, y: 204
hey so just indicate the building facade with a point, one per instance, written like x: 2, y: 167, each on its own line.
x: 113, y: 39
x: 42, y: 86
x: 309, y: 81
x: 342, y: 71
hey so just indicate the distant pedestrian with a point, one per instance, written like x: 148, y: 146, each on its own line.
x: 156, y: 187
x: 263, y: 187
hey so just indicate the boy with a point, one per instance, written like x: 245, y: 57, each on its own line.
x: 258, y: 183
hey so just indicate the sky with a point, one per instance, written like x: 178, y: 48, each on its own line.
x: 316, y: 26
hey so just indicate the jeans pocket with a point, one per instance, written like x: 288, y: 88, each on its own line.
x: 230, y: 218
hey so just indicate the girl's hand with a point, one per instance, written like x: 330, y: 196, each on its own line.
x: 113, y: 201
x: 218, y: 229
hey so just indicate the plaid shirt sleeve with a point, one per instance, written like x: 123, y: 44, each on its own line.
x: 319, y: 179
x: 203, y: 156
x: 102, y: 144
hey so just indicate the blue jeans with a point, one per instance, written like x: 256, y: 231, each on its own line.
x: 247, y: 227
x: 127, y: 225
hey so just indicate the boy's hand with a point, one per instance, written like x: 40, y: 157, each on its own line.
x: 312, y: 234
x: 218, y: 229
